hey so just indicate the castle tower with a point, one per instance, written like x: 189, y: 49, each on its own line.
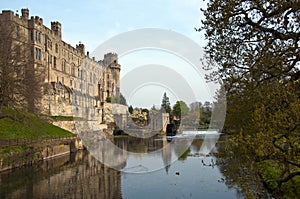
x: 113, y: 68
x: 25, y: 13
x: 56, y: 28
x: 110, y: 58
x: 80, y: 47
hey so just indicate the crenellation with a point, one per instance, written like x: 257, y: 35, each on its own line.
x: 25, y: 13
x: 71, y: 74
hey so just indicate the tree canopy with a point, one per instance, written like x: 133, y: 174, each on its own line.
x: 165, y: 104
x: 253, y: 47
x: 180, y: 108
x: 253, y: 41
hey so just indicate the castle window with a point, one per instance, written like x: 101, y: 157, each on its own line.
x: 91, y: 77
x: 37, y: 53
x: 50, y: 59
x: 57, y: 79
x: 62, y: 80
x: 99, y: 89
x: 50, y: 44
x: 73, y: 71
x: 31, y: 35
x: 56, y: 48
x: 63, y: 64
x: 54, y: 62
x: 107, y: 76
x: 18, y: 31
x: 71, y: 82
x: 39, y: 37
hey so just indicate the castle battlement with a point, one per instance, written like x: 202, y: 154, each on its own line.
x: 70, y: 73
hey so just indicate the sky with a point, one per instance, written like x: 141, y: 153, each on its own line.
x: 93, y: 22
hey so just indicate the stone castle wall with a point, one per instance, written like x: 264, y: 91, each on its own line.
x: 74, y: 83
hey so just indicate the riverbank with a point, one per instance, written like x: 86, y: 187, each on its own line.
x: 26, y: 139
x: 17, y: 156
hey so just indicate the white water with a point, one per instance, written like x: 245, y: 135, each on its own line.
x: 201, y: 132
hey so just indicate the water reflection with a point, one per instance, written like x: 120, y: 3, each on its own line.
x: 82, y: 176
x: 239, y: 171
x: 76, y: 176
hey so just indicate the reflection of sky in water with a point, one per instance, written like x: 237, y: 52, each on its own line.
x: 140, y: 162
x: 79, y: 175
x: 186, y: 178
x: 194, y: 181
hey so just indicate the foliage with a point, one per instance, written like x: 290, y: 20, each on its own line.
x: 180, y: 108
x: 252, y: 41
x: 140, y: 117
x: 165, y: 104
x: 236, y: 164
x: 205, y: 115
x: 108, y: 100
x: 253, y: 47
x: 130, y: 109
x: 64, y: 118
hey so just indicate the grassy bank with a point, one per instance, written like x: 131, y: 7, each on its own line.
x: 28, y: 126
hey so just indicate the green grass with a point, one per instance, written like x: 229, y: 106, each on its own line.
x: 64, y: 118
x: 7, y: 150
x: 28, y: 126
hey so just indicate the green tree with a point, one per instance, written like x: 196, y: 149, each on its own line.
x: 252, y: 41
x: 180, y: 108
x: 130, y: 109
x: 205, y: 115
x: 165, y: 104
x: 253, y: 46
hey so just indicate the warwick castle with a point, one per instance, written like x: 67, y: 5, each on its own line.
x: 72, y: 77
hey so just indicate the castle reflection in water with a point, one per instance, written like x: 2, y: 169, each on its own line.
x: 76, y: 176
x: 80, y: 175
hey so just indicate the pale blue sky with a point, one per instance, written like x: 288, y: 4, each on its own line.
x: 93, y: 22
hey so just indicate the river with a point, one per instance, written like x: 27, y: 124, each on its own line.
x: 149, y: 169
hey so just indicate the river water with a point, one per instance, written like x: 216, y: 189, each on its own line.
x: 151, y: 168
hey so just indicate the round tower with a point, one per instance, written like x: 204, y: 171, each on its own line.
x: 110, y: 59
x: 113, y: 67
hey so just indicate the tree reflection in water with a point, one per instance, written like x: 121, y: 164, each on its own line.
x: 237, y: 165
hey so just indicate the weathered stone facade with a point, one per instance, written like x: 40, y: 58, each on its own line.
x: 73, y: 80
